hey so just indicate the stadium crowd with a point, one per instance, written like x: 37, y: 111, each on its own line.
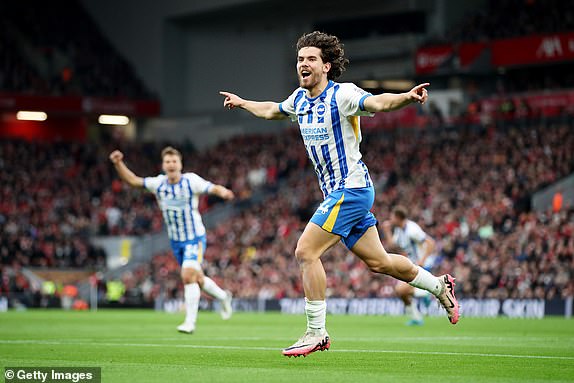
x: 54, y: 196
x: 469, y: 189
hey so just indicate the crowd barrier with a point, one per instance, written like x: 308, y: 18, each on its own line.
x: 488, y: 308
x: 470, y: 307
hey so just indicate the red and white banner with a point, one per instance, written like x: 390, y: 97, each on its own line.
x: 533, y: 49
x: 537, y: 49
x: 468, y: 53
x: 429, y: 59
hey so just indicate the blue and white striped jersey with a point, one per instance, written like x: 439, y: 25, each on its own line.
x: 178, y: 203
x: 330, y: 128
x: 411, y: 238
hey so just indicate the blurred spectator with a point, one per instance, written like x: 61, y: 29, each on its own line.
x: 557, y: 201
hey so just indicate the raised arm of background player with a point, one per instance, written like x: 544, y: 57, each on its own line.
x: 428, y: 246
x: 384, y: 102
x: 134, y: 180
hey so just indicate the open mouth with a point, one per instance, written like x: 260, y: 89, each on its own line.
x: 305, y: 73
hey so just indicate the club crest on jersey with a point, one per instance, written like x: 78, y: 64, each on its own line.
x: 165, y: 194
x: 321, y: 109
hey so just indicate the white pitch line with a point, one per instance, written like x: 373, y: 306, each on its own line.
x: 383, y: 339
x: 250, y: 348
x: 561, y: 339
x: 460, y: 354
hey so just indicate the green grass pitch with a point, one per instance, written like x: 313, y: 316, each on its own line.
x: 143, y: 346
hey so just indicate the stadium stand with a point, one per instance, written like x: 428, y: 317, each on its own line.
x: 15, y: 73
x: 469, y: 185
x: 476, y: 213
x: 60, y: 51
x: 511, y: 18
x: 542, y: 28
x: 477, y: 210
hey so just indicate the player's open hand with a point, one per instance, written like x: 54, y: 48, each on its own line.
x: 231, y: 100
x: 116, y: 156
x: 222, y: 192
x: 387, y: 225
x: 419, y: 93
x: 227, y: 194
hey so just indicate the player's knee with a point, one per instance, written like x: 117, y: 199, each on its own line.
x: 303, y: 255
x: 189, y: 276
x: 187, y: 279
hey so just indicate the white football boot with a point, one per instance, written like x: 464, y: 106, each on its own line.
x: 226, y: 310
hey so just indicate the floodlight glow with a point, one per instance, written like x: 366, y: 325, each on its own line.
x: 398, y: 84
x: 111, y: 119
x: 370, y: 84
x: 26, y: 115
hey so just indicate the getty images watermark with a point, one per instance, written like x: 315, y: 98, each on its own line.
x: 53, y: 374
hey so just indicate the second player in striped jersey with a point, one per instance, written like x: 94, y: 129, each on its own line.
x: 177, y: 195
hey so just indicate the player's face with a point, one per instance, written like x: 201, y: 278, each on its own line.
x: 311, y: 70
x: 171, y: 165
x: 396, y: 221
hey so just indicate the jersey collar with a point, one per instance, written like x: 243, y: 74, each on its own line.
x: 329, y: 85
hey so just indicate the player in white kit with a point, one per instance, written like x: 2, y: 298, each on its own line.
x: 419, y: 248
x: 328, y: 116
x: 177, y: 196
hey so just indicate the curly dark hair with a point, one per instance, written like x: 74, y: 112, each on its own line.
x: 331, y: 51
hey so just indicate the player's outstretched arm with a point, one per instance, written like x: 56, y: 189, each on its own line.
x: 124, y: 172
x: 387, y: 102
x: 222, y: 192
x: 268, y: 110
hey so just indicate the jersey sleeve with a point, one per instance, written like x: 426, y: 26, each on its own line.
x: 198, y: 184
x: 152, y: 183
x: 416, y: 233
x: 351, y: 100
x: 287, y: 107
